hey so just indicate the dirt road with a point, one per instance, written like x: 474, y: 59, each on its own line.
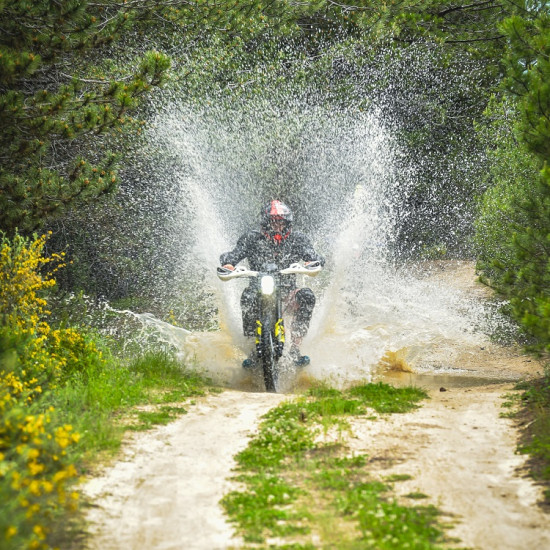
x: 164, y: 491
x: 460, y: 453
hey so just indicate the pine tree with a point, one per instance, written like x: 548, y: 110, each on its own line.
x: 54, y: 102
x: 526, y: 274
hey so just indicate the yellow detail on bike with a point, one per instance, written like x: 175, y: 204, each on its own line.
x: 280, y: 331
x: 258, y: 331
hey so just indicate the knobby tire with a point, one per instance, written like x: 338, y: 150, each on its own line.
x: 269, y: 362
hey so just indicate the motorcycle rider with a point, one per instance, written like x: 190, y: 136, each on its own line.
x: 276, y: 243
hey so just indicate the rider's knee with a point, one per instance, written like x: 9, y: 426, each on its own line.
x: 248, y: 297
x: 305, y: 298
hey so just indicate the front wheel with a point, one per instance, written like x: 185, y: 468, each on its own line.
x: 269, y: 360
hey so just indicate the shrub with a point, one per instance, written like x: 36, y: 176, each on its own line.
x: 35, y: 469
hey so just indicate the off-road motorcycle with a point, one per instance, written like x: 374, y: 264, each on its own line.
x: 270, y: 329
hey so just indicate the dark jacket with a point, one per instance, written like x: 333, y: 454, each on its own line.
x: 259, y: 250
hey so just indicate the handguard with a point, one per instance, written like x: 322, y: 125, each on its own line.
x: 225, y: 274
x: 312, y: 269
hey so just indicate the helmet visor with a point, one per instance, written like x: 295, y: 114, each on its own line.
x: 278, y: 229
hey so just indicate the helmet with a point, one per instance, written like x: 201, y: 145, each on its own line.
x: 276, y: 221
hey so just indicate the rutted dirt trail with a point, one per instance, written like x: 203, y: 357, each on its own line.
x: 461, y: 453
x: 163, y: 493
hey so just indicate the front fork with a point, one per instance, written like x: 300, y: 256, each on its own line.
x: 271, y: 318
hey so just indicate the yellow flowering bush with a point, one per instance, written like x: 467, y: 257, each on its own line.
x: 73, y: 352
x: 36, y: 470
x: 25, y: 273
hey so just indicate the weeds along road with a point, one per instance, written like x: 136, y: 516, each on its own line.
x: 460, y: 452
x: 164, y: 491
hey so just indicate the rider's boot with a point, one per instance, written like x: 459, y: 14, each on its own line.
x: 250, y: 361
x: 299, y: 360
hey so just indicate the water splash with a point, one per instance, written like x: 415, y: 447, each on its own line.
x: 346, y: 178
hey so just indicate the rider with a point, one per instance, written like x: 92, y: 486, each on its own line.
x: 278, y: 244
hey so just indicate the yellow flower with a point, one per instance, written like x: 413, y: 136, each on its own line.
x: 34, y: 487
x: 33, y: 453
x: 39, y: 532
x: 36, y: 468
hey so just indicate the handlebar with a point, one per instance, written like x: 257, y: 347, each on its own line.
x: 312, y: 269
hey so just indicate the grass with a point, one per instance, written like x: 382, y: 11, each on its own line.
x: 147, y: 419
x: 532, y: 409
x: 101, y: 404
x: 398, y: 477
x: 301, y: 493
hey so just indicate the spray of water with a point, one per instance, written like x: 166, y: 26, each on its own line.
x: 344, y: 176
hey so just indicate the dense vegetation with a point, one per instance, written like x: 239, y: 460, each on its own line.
x: 59, y: 388
x: 74, y: 77
x: 465, y: 85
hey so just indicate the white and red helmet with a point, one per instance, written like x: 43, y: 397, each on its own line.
x: 276, y: 219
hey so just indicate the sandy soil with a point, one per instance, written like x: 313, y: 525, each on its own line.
x: 164, y: 491
x: 460, y: 453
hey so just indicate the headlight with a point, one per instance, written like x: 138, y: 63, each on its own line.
x: 267, y: 284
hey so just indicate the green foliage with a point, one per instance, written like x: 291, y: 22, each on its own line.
x: 97, y: 64
x: 528, y: 68
x: 532, y: 407
x: 260, y: 509
x: 384, y: 398
x: 59, y: 389
x: 512, y: 171
x: 36, y: 471
x: 286, y: 467
x: 529, y: 278
x: 514, y: 226
x: 55, y: 101
x: 165, y: 414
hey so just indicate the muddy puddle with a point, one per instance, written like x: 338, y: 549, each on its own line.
x: 438, y: 381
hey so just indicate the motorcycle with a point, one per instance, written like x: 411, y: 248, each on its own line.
x: 270, y: 329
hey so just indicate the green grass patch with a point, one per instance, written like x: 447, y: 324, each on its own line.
x: 264, y: 507
x: 398, y: 477
x: 300, y: 490
x: 164, y: 415
x: 384, y: 398
x: 533, y: 409
x: 100, y: 403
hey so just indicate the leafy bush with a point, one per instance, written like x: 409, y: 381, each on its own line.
x: 35, y: 469
x: 512, y: 228
x: 526, y: 270
x: 512, y: 170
